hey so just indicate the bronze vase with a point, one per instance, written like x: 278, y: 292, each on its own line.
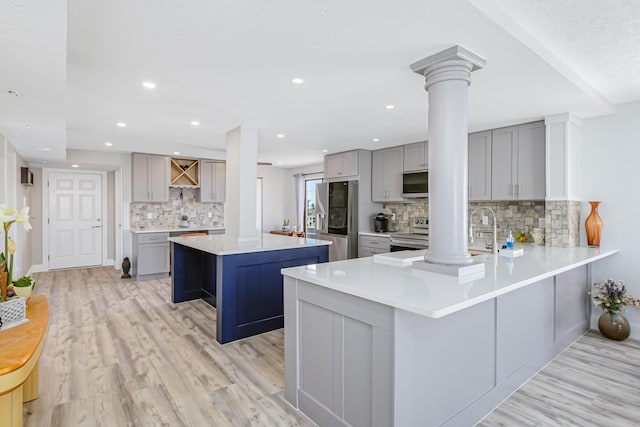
x: 614, y: 326
x: 593, y: 225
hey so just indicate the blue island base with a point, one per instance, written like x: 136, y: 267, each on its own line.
x: 246, y: 289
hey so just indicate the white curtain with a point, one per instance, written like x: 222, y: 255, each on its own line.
x: 300, y: 201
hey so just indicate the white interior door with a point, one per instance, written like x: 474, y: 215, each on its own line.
x: 75, y: 220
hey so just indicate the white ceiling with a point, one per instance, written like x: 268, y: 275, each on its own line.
x: 79, y: 65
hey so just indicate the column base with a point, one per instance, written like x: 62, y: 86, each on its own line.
x: 475, y: 268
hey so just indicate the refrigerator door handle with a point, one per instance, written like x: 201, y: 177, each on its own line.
x: 320, y: 222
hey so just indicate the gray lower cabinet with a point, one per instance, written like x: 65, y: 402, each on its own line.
x: 345, y: 351
x: 371, y: 245
x: 351, y: 361
x: 151, y: 255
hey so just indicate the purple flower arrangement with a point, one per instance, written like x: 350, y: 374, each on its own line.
x: 610, y: 295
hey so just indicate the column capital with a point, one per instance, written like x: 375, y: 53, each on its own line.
x: 454, y: 63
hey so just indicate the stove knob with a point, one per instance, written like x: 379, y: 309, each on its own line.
x: 417, y: 221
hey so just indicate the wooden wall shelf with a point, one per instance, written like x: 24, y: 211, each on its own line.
x: 185, y: 173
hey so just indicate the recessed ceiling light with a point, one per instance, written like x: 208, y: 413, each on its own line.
x: 176, y: 152
x: 195, y: 123
x: 44, y: 161
x: 75, y: 166
x: 325, y: 151
x: 108, y: 144
x: 149, y: 85
x: 280, y: 135
x: 376, y: 139
x: 121, y: 124
x: 297, y: 81
x: 279, y: 163
x: 389, y: 107
x: 27, y: 127
x: 44, y: 149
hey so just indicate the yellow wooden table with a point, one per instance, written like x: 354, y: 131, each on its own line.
x: 20, y: 350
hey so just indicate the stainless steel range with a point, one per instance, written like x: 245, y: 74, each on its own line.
x: 418, y: 238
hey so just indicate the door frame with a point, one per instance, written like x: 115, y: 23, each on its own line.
x: 45, y: 211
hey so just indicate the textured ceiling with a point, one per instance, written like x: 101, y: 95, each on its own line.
x: 79, y: 66
x: 598, y: 38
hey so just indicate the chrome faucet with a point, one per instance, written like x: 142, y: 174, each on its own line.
x: 494, y: 247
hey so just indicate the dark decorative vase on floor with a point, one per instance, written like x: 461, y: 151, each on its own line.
x: 614, y: 326
x: 126, y: 265
x: 593, y: 225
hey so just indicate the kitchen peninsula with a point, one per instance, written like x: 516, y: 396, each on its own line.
x: 240, y: 278
x: 368, y: 343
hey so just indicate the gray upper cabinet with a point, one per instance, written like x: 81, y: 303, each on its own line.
x: 504, y: 163
x: 480, y: 166
x: 386, y: 174
x: 213, y: 177
x: 416, y: 157
x: 150, y: 178
x: 531, y: 161
x: 518, y: 162
x: 341, y: 165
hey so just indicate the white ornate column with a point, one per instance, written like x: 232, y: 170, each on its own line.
x: 448, y: 75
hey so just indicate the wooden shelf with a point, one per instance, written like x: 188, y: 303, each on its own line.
x: 185, y: 173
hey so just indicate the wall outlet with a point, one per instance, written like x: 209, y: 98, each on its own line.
x: 149, y: 215
x: 210, y: 214
x: 485, y: 220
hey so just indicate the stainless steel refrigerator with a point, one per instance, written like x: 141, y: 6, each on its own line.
x: 337, y: 218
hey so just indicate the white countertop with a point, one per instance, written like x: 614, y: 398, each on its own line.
x: 373, y: 233
x: 174, y: 229
x: 435, y: 295
x: 223, y: 244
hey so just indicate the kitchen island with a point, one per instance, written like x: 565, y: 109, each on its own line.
x: 240, y: 278
x: 367, y: 343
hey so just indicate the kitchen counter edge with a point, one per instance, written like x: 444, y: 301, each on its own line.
x: 341, y: 276
x: 174, y: 229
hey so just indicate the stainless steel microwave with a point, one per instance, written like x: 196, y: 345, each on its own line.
x: 415, y: 184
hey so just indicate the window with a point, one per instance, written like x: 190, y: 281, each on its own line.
x: 310, y: 205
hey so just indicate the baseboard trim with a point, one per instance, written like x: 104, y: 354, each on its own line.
x: 110, y: 262
x: 37, y: 268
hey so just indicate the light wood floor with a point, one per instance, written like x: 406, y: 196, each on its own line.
x: 119, y: 353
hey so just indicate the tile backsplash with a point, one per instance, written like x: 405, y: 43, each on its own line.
x: 167, y: 215
x: 511, y: 215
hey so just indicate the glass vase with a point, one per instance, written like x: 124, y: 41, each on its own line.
x: 593, y: 225
x: 614, y: 326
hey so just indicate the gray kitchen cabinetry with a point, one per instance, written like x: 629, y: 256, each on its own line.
x: 371, y: 245
x: 213, y: 177
x: 416, y: 157
x: 150, y: 178
x: 345, y: 376
x: 480, y: 166
x: 341, y: 165
x: 151, y: 255
x: 518, y: 162
x: 386, y: 175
